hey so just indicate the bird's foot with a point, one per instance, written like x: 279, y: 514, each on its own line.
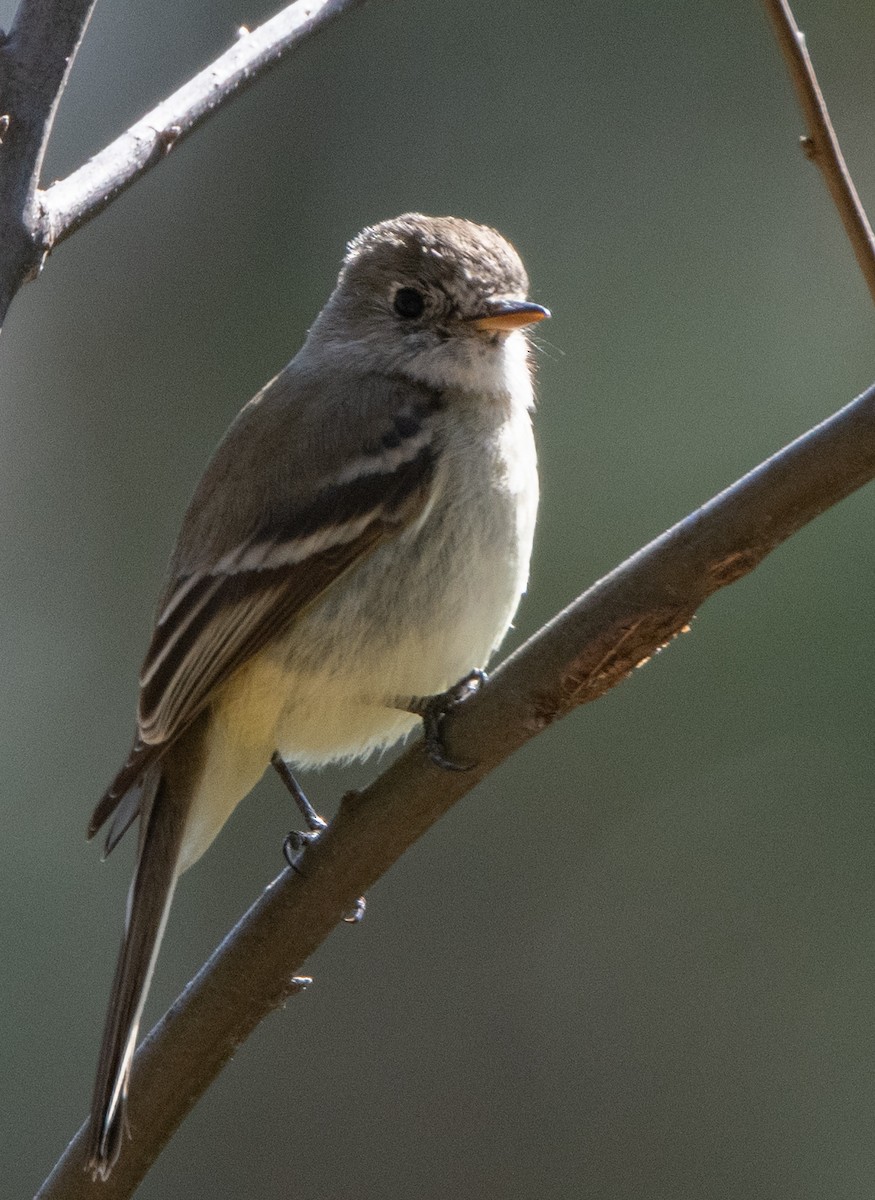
x: 296, y: 842
x: 433, y: 709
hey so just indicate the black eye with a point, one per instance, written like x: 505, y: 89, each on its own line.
x: 409, y: 303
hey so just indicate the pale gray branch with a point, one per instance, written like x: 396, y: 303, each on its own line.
x: 35, y: 60
x: 70, y: 203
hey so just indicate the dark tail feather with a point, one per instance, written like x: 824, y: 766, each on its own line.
x: 129, y: 778
x: 163, y: 813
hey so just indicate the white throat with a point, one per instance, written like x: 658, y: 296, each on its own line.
x: 481, y: 367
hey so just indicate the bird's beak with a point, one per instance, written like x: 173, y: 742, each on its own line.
x: 504, y: 315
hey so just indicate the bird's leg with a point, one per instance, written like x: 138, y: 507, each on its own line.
x: 433, y: 709
x: 296, y: 842
x: 315, y: 823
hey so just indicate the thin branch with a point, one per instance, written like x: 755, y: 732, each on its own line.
x: 581, y: 654
x: 821, y: 145
x: 72, y: 202
x: 39, y: 53
x: 35, y: 60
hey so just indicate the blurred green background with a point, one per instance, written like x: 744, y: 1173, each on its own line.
x: 639, y: 960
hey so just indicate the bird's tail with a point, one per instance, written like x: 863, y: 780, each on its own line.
x: 163, y: 810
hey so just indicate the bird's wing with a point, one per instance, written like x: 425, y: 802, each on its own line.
x: 217, y: 617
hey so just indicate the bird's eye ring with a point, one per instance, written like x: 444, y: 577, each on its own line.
x: 409, y: 303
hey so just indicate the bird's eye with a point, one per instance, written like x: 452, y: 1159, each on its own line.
x: 409, y: 303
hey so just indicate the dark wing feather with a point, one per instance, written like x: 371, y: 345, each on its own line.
x: 245, y: 613
x: 135, y: 765
x: 214, y: 621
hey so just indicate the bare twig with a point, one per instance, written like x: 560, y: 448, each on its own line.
x: 583, y: 652
x: 35, y: 60
x: 71, y: 203
x: 821, y: 145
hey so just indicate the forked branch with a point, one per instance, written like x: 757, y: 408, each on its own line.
x: 69, y: 204
x: 35, y: 60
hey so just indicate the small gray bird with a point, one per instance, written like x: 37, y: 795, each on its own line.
x: 360, y: 541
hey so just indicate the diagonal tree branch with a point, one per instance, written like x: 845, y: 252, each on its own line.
x: 35, y: 60
x: 72, y: 202
x: 586, y: 650
x: 821, y: 145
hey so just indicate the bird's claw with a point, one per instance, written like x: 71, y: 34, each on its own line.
x: 296, y: 842
x: 433, y: 711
